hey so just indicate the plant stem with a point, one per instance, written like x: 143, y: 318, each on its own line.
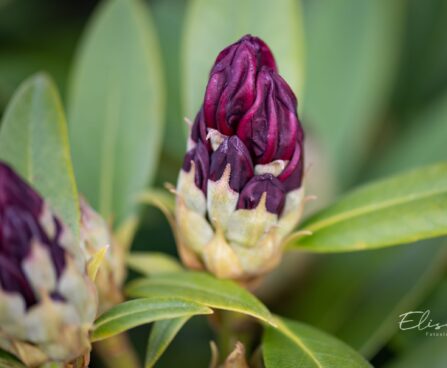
x: 117, y: 352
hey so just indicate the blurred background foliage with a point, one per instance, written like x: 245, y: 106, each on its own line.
x: 371, y: 77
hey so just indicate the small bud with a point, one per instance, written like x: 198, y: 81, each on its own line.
x: 95, y: 236
x: 47, y: 302
x: 236, y: 204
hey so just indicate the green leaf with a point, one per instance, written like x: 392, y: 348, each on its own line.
x: 127, y: 315
x: 351, y: 56
x: 210, y: 26
x: 116, y: 107
x: 34, y: 140
x: 295, y: 344
x: 405, y: 208
x: 151, y: 263
x: 162, y: 334
x: 201, y: 288
x: 8, y: 360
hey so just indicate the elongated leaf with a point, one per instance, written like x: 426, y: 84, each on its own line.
x: 151, y: 263
x: 201, y: 288
x: 295, y: 344
x: 34, y: 140
x: 9, y: 361
x: 351, y: 54
x: 163, y: 332
x: 212, y: 25
x: 141, y: 311
x: 116, y: 106
x: 402, y: 209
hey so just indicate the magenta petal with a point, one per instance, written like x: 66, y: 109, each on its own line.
x: 292, y: 175
x: 231, y: 88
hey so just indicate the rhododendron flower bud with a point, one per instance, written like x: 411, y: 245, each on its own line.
x: 96, y: 236
x: 240, y: 192
x: 47, y: 301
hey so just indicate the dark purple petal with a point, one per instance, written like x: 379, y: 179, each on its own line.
x: 20, y: 215
x: 292, y: 175
x: 271, y: 127
x: 198, y: 130
x: 200, y: 156
x: 232, y: 85
x: 232, y: 151
x: 256, y: 187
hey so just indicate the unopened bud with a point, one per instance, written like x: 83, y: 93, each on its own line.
x: 240, y: 190
x: 47, y: 301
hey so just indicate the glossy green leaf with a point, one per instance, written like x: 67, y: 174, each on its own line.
x: 9, y: 361
x: 163, y: 332
x: 295, y: 344
x: 402, y: 209
x: 116, y: 107
x: 127, y: 315
x: 201, y: 288
x: 34, y: 140
x: 351, y: 55
x: 210, y: 26
x: 151, y: 263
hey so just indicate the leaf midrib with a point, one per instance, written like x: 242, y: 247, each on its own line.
x: 153, y: 308
x: 212, y: 292
x: 301, y: 344
x: 361, y: 211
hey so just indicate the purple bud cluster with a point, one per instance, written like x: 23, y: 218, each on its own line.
x: 21, y: 217
x: 255, y: 113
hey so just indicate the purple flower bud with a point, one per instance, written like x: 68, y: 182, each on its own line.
x: 270, y: 128
x: 200, y: 156
x: 21, y: 209
x: 256, y: 187
x: 249, y: 124
x: 231, y: 88
x: 232, y: 151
